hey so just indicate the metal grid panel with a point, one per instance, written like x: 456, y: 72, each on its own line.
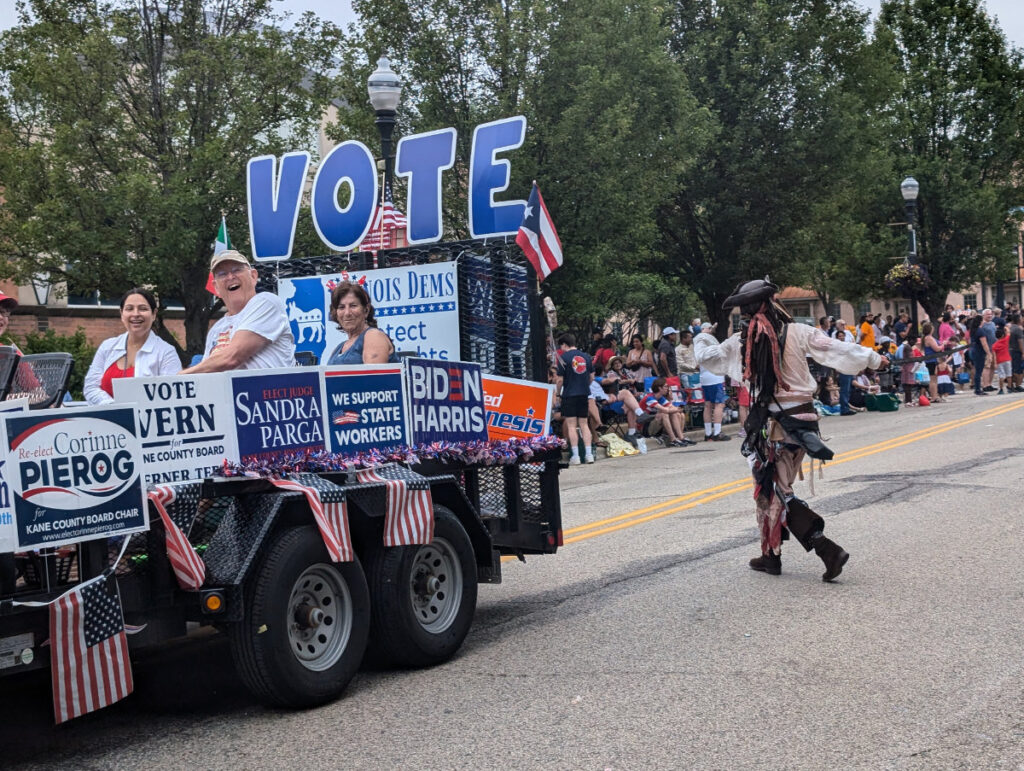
x: 531, y: 501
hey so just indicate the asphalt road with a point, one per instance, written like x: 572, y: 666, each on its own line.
x: 648, y: 643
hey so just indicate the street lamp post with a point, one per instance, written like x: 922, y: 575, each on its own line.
x: 385, y: 89
x: 909, y: 189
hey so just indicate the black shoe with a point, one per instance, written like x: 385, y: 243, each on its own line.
x: 687, y: 442
x: 631, y: 438
x: 989, y: 389
x: 980, y: 393
x: 833, y: 555
x: 844, y: 414
x: 720, y: 438
x: 767, y: 563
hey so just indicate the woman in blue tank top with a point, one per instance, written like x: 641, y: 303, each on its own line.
x: 352, y: 309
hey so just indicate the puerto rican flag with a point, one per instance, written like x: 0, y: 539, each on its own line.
x: 537, y: 236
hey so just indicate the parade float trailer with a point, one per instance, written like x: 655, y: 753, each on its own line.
x: 310, y: 514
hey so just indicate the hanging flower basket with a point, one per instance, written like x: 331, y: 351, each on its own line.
x: 907, y: 278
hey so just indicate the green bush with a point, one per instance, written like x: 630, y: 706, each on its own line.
x: 77, y: 345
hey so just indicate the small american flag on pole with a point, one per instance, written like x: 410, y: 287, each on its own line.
x: 89, y: 660
x: 537, y: 236
x: 386, y: 219
x: 330, y: 510
x: 188, y: 568
x: 409, y: 517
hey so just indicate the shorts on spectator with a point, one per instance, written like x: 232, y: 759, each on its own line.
x: 714, y: 394
x: 1017, y: 364
x: 1003, y: 369
x: 575, y: 406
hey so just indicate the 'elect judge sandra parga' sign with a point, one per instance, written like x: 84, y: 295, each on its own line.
x: 74, y: 475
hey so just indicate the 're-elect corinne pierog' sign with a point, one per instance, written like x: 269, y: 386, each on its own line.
x: 186, y: 424
x: 74, y: 475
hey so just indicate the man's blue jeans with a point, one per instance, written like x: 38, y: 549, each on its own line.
x: 845, y: 383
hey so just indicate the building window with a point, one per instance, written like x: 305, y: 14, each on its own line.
x: 971, y: 302
x: 863, y: 308
x: 802, y: 310
x: 834, y: 311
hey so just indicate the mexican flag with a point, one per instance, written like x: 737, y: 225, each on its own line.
x: 223, y: 243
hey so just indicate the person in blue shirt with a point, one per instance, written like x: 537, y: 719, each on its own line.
x: 352, y: 310
x: 575, y: 372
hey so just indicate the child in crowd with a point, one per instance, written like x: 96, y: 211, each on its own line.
x: 944, y: 376
x: 1001, y: 349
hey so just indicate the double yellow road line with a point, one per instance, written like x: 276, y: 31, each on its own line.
x: 691, y: 500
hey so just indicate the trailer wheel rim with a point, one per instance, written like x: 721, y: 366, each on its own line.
x: 319, y: 617
x: 436, y: 586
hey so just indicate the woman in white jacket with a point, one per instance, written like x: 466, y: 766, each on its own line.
x: 139, y: 352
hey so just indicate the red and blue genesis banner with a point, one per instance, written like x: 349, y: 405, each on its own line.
x: 277, y: 411
x: 446, y: 401
x: 74, y: 475
x: 365, y: 408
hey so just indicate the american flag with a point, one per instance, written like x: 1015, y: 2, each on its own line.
x: 348, y: 416
x: 537, y: 236
x: 386, y: 219
x: 409, y: 517
x: 188, y: 567
x: 89, y: 659
x: 330, y: 510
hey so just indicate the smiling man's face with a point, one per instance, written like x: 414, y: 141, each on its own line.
x: 236, y: 284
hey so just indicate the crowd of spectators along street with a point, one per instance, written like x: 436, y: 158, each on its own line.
x: 658, y: 389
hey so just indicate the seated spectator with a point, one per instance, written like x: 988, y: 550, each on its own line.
x: 630, y: 407
x: 617, y: 373
x: 663, y: 415
x: 605, y: 351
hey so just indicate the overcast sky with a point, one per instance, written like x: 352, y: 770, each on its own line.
x: 1010, y: 13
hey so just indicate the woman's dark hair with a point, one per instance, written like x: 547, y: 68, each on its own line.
x: 947, y: 317
x: 634, y: 338
x: 346, y: 288
x: 146, y: 295
x: 608, y: 341
x: 974, y: 323
x: 926, y: 329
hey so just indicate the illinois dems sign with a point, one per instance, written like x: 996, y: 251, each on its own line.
x: 275, y: 187
x: 74, y: 475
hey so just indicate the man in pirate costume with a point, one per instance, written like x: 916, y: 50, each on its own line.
x: 770, y: 354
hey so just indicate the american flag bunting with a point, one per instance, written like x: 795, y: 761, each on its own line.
x: 188, y: 568
x: 409, y: 514
x: 330, y: 510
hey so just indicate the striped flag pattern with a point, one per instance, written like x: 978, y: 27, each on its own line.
x: 409, y: 514
x: 537, y: 236
x: 189, y: 569
x: 386, y: 219
x: 89, y: 660
x: 330, y: 510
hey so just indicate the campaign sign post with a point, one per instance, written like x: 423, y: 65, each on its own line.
x: 365, y: 407
x: 446, y: 401
x: 517, y: 409
x: 186, y: 424
x: 74, y: 475
x: 277, y: 410
x: 417, y: 306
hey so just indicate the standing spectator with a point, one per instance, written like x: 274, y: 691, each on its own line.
x: 980, y: 353
x: 1001, y: 349
x: 866, y: 336
x: 695, y: 326
x: 575, y: 371
x: 997, y: 317
x: 946, y: 330
x: 1016, y: 351
x: 713, y: 387
x: 605, y: 351
x: 908, y: 351
x: 666, y: 357
x: 989, y: 327
x: 596, y: 336
x: 900, y: 327
x: 824, y: 325
x: 685, y: 358
x: 930, y: 346
x: 639, y: 360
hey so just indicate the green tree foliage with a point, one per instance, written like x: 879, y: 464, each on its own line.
x: 125, y: 128
x: 779, y: 188
x: 957, y: 115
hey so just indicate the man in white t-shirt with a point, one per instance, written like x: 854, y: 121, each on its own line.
x: 713, y: 387
x: 254, y: 333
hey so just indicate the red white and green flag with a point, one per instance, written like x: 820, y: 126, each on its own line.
x: 223, y: 243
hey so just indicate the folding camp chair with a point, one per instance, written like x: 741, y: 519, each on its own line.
x: 43, y: 378
x: 9, y: 357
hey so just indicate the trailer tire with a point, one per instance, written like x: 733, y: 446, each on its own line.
x: 422, y: 597
x: 305, y: 622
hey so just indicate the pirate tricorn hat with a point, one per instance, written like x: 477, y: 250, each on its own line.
x: 750, y: 294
